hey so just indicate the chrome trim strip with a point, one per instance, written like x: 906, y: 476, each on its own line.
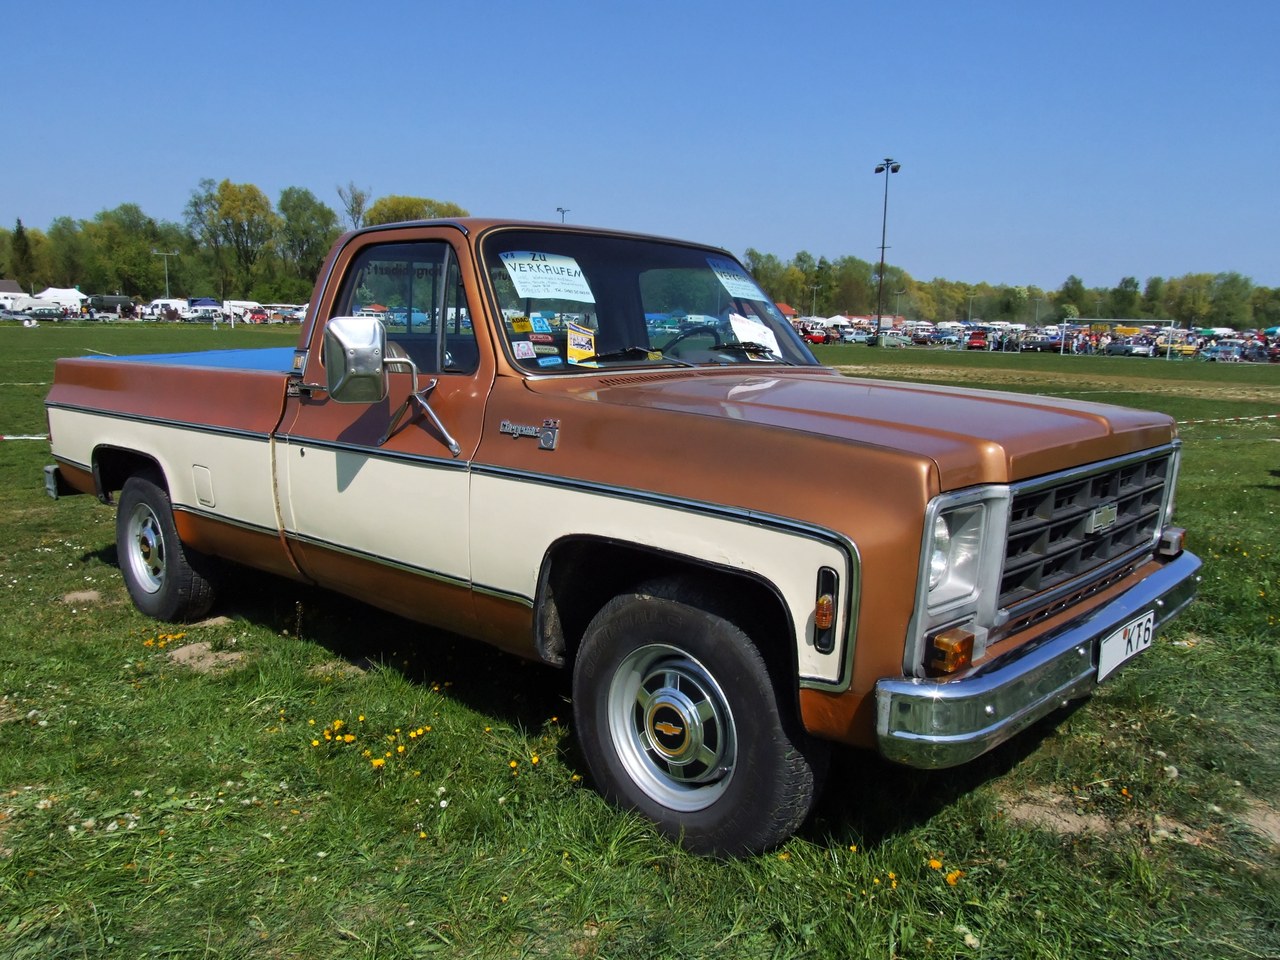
x: 190, y: 425
x: 374, y: 558
x: 1098, y: 466
x: 942, y: 723
x: 225, y: 520
x: 372, y: 452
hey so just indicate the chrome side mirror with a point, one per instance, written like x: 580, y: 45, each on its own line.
x: 354, y: 351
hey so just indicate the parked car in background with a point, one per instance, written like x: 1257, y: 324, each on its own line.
x: 818, y: 335
x: 1041, y: 345
x: 45, y: 313
x: 977, y: 340
x: 1119, y: 347
x: 1257, y: 352
x: 945, y: 340
x: 891, y: 338
x: 849, y: 335
x: 1179, y: 348
x: 1142, y: 347
x: 1229, y: 352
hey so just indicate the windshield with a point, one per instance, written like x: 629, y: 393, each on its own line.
x: 574, y: 302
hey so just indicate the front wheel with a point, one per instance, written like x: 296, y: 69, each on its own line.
x: 679, y: 719
x: 165, y: 580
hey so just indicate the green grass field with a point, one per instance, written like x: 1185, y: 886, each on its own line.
x: 210, y: 791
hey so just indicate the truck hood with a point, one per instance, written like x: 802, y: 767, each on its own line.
x: 973, y: 436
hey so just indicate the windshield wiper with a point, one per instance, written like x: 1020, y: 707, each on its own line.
x: 627, y: 353
x: 753, y: 349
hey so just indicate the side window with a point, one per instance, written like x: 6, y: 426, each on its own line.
x: 415, y: 289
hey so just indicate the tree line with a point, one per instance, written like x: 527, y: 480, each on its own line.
x: 851, y: 286
x: 233, y: 243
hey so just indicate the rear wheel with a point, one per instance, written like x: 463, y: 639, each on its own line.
x: 166, y: 580
x: 679, y: 719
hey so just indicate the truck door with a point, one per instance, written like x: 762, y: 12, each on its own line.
x: 385, y: 518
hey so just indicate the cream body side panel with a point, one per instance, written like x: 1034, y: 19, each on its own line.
x: 514, y: 522
x: 408, y: 512
x: 234, y: 470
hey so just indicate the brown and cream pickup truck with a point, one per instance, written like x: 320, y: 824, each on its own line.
x: 611, y: 453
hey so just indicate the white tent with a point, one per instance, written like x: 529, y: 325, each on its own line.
x: 838, y: 321
x: 65, y: 298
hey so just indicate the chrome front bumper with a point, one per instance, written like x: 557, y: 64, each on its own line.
x: 943, y: 723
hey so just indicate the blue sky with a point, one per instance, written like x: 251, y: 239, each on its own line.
x: 1036, y: 140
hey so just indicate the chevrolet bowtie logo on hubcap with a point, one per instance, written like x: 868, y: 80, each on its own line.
x: 669, y: 729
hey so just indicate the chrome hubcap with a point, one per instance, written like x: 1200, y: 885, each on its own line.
x: 672, y: 727
x: 146, y: 556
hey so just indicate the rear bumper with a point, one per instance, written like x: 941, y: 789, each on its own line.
x: 934, y: 724
x: 55, y: 484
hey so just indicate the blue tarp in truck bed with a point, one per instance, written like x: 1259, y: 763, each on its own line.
x: 266, y: 359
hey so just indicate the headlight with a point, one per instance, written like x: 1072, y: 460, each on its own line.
x: 939, y: 557
x: 955, y: 552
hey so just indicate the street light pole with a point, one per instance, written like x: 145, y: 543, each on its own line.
x: 971, y: 296
x: 562, y: 211
x: 889, y: 166
x: 161, y: 253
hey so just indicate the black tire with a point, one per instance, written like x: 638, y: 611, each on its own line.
x: 679, y: 719
x: 166, y: 580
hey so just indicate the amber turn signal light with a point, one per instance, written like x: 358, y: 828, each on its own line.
x: 824, y: 612
x: 952, y: 650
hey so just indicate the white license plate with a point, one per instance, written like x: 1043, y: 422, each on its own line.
x: 1129, y: 641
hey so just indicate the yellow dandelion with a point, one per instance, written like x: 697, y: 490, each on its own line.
x: 534, y: 759
x: 361, y: 718
x: 400, y: 749
x: 338, y: 725
x: 954, y: 876
x: 378, y: 763
x: 784, y: 856
x: 935, y: 864
x: 513, y: 764
x: 315, y: 743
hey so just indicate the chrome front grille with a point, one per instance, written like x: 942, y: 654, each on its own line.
x: 1067, y: 528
